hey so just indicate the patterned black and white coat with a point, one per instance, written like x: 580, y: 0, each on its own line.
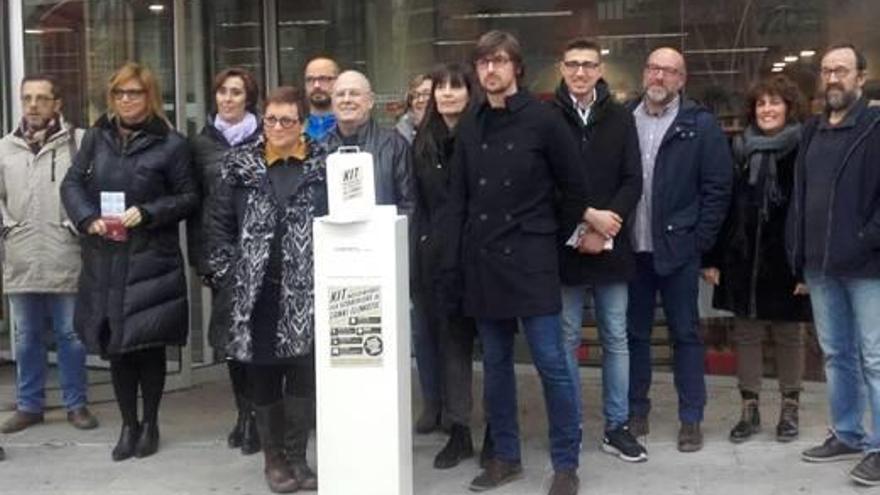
x: 241, y: 226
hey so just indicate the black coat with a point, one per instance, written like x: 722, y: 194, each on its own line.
x: 432, y: 186
x: 609, y: 146
x: 755, y: 279
x: 132, y: 295
x: 852, y: 241
x: 208, y: 149
x: 509, y: 166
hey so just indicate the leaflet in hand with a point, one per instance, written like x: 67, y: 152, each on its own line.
x: 112, y: 209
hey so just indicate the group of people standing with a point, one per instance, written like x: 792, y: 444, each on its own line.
x: 519, y: 209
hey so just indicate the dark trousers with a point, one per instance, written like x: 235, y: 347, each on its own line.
x: 679, y: 292
x: 454, y: 341
x: 142, y: 371
x: 271, y: 382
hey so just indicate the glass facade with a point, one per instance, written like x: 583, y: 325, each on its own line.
x: 728, y: 46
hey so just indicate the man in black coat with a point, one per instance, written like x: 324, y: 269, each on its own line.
x: 687, y: 172
x: 598, y: 258
x: 513, y: 156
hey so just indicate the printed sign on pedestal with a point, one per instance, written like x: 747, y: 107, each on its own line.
x: 356, y: 325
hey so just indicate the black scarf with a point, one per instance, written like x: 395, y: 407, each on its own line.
x: 760, y: 154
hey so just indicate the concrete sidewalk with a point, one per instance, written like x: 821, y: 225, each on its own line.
x: 53, y: 458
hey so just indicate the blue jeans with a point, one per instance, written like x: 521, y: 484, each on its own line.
x: 679, y: 292
x: 611, y: 302
x: 29, y: 314
x: 847, y: 316
x: 544, y: 336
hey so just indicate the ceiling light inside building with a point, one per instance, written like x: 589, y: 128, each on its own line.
x: 776, y: 69
x: 779, y: 64
x: 514, y: 15
x: 727, y: 51
x: 791, y: 58
x: 606, y: 51
x: 156, y: 8
x: 808, y: 53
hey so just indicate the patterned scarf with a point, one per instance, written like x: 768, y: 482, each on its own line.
x: 36, y: 137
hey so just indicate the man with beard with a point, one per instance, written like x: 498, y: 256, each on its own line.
x: 352, y: 102
x: 320, y: 74
x: 603, y: 263
x: 834, y: 242
x: 513, y: 156
x: 42, y: 254
x: 687, y: 173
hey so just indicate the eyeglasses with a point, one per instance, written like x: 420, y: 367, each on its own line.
x: 659, y: 69
x: 36, y: 99
x: 496, y: 61
x: 322, y: 80
x: 286, y: 122
x: 839, y: 72
x: 574, y: 65
x: 421, y: 95
x: 130, y: 94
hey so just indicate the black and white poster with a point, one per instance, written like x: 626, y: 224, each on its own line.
x: 356, y: 325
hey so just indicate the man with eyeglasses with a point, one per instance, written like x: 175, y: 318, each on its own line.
x: 513, y: 158
x: 687, y: 174
x: 602, y: 260
x: 42, y: 254
x: 834, y: 243
x: 352, y: 102
x: 320, y: 74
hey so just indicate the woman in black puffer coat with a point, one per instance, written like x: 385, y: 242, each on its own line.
x: 234, y: 124
x: 132, y: 299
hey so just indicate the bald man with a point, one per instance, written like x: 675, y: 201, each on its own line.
x: 320, y: 74
x: 352, y: 102
x: 687, y: 174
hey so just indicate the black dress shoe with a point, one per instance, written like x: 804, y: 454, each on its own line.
x: 148, y: 443
x: 460, y: 446
x: 128, y: 439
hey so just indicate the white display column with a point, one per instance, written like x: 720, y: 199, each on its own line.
x: 362, y: 355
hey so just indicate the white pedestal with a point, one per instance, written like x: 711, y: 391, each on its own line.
x: 362, y: 356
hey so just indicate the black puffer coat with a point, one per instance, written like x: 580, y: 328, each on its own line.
x: 132, y: 295
x: 208, y: 149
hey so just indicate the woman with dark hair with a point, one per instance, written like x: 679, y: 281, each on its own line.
x: 132, y: 299
x: 451, y: 339
x: 233, y: 124
x: 259, y: 226
x: 748, y: 266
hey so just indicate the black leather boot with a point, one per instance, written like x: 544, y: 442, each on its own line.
x: 148, y: 442
x: 460, y: 446
x: 128, y: 439
x: 787, y: 429
x: 271, y: 425
x: 749, y: 422
x: 300, y: 413
x: 250, y: 437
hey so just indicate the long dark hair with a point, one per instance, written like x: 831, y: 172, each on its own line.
x: 432, y: 131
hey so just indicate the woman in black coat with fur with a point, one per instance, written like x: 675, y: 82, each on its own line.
x: 132, y: 299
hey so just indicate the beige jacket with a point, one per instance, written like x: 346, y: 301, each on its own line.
x: 40, y: 245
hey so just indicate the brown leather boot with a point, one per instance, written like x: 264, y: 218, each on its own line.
x: 300, y: 413
x: 21, y: 420
x: 271, y: 425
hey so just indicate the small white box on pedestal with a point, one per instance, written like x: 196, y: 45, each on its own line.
x: 362, y: 343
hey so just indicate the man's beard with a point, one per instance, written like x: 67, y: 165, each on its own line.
x: 837, y: 99
x: 658, y: 95
x: 320, y: 101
